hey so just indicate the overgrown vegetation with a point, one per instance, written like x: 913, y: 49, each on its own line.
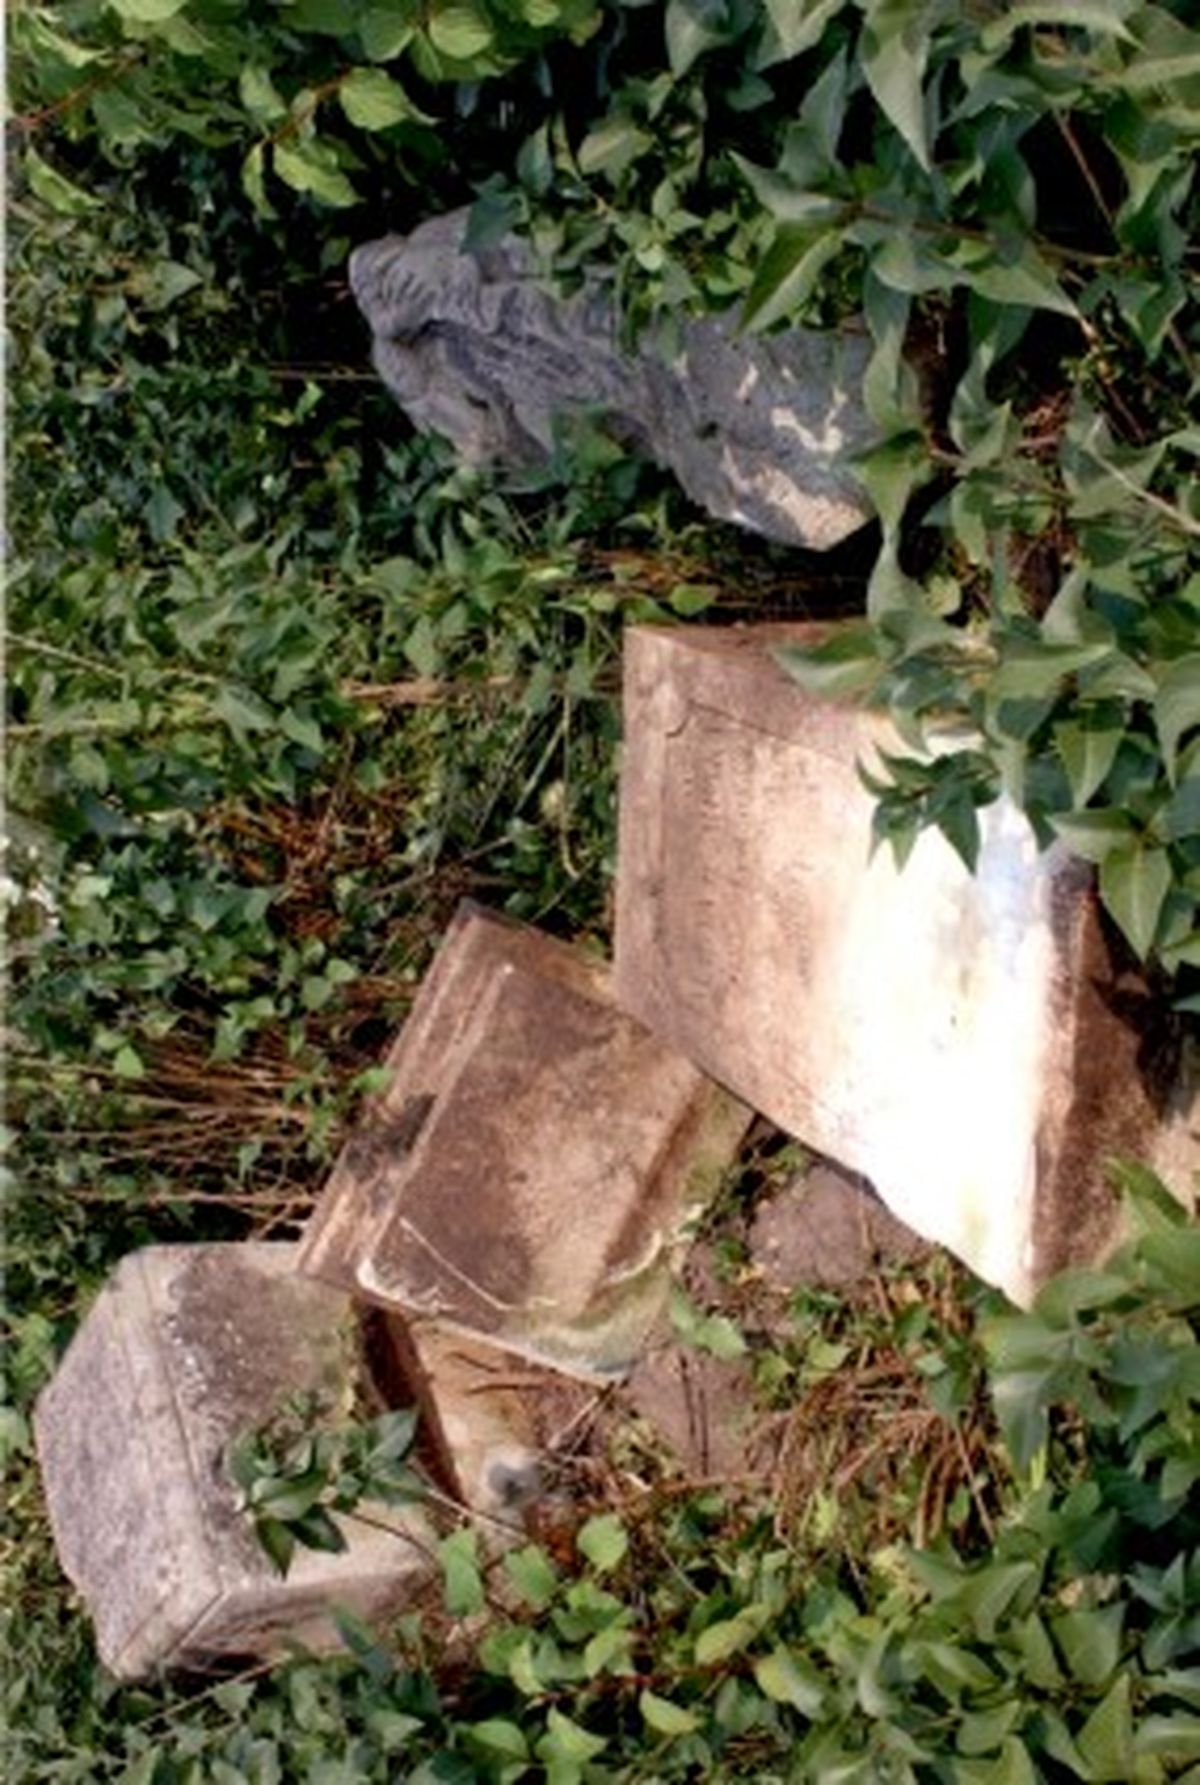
x: 284, y: 684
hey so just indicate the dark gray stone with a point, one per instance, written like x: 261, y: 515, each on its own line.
x: 474, y: 345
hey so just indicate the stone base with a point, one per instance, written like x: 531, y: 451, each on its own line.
x: 527, y: 1174
x: 185, y: 1348
x: 971, y: 1044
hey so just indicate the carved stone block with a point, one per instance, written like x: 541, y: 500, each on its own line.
x: 971, y: 1044
x: 527, y: 1172
x: 758, y: 429
x: 185, y: 1348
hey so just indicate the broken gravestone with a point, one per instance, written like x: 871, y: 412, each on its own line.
x: 475, y: 346
x: 527, y: 1173
x: 973, y: 1044
x: 184, y: 1349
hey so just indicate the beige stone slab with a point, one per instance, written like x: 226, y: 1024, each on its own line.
x: 528, y: 1170
x: 185, y: 1348
x: 973, y: 1045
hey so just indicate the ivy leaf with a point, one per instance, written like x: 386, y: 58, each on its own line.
x: 567, y: 1741
x: 1177, y: 705
x: 789, y: 1680
x: 500, y: 1738
x: 1095, y: 835
x: 1134, y: 884
x: 603, y: 1541
x: 1090, y: 1642
x: 55, y: 191
x: 1106, y: 1739
x: 796, y: 26
x: 612, y: 147
x: 1087, y: 751
x: 147, y: 12
x: 461, y: 1579
x: 691, y: 27
x: 532, y: 1574
x: 665, y: 1718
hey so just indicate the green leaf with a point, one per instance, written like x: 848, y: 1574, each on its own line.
x: 1106, y: 1739
x: 278, y: 1542
x: 715, y: 1333
x: 797, y: 25
x: 991, y: 1592
x: 460, y: 31
x: 128, y: 1063
x: 787, y: 274
x: 1027, y: 282
x: 373, y: 100
x: 532, y: 1574
x: 565, y: 1740
x: 894, y: 50
x: 665, y: 1718
x: 1177, y: 705
x: 788, y: 1679
x: 496, y: 1736
x: 305, y: 168
x: 55, y: 191
x: 728, y: 1636
x: 603, y: 1540
x: 1134, y: 884
x: 242, y: 711
x: 1095, y: 835
x: 612, y: 147
x: 385, y: 32
x: 691, y: 27
x: 260, y: 96
x: 842, y: 666
x: 147, y: 12
x: 1087, y: 751
x: 1090, y: 1642
x: 461, y: 1576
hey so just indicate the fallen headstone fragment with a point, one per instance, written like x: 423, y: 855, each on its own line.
x: 973, y: 1044
x: 528, y: 1172
x: 473, y: 345
x: 185, y: 1348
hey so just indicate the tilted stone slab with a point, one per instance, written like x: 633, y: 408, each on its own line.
x: 970, y: 1044
x: 473, y: 345
x: 527, y: 1172
x: 185, y: 1348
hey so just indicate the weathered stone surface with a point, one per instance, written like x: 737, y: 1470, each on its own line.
x: 526, y: 1174
x: 497, y: 1422
x: 826, y: 1229
x: 970, y: 1044
x: 758, y: 430
x: 186, y: 1347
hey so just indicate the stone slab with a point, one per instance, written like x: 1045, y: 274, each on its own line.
x: 527, y: 1173
x: 825, y: 1229
x: 759, y: 430
x: 972, y: 1044
x: 185, y: 1348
